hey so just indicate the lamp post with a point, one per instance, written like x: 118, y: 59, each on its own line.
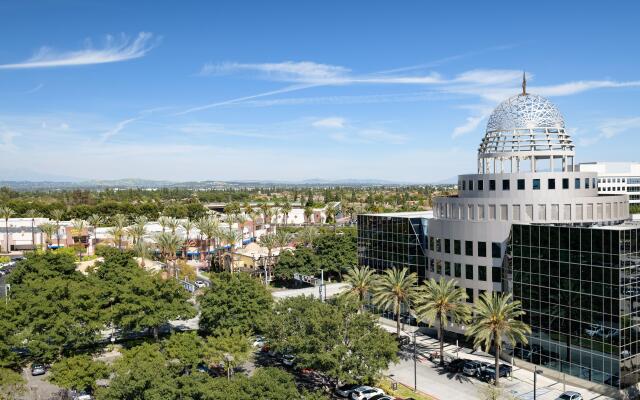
x: 415, y: 369
x: 536, y: 371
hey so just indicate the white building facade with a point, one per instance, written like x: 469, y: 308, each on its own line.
x: 616, y: 178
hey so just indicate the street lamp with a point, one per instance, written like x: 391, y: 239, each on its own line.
x: 415, y: 369
x: 536, y: 371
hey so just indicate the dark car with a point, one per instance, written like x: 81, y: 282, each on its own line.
x: 488, y: 373
x: 456, y: 365
x: 473, y: 368
x: 345, y: 390
x: 402, y: 340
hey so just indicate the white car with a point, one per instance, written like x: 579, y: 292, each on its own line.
x: 200, y: 284
x: 365, y: 393
x: 259, y: 342
x: 288, y: 360
x: 570, y: 396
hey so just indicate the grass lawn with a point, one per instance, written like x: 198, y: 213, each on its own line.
x: 403, y: 391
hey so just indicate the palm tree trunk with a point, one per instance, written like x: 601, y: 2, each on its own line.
x: 6, y: 233
x: 496, y: 345
x: 441, y: 337
x: 398, y: 319
x: 58, y: 232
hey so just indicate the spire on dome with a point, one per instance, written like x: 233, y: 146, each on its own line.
x: 524, y: 83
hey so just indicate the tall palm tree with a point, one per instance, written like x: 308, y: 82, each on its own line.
x: 266, y: 211
x: 168, y: 243
x: 94, y: 221
x: 283, y: 238
x: 6, y: 213
x: 306, y: 236
x: 118, y: 230
x: 394, y: 289
x: 77, y: 229
x: 173, y: 224
x: 201, y: 225
x: 136, y: 232
x: 241, y: 220
x: 116, y: 233
x: 496, y: 321
x: 49, y: 230
x: 188, y: 226
x: 57, y: 216
x: 308, y: 212
x: 33, y: 214
x: 440, y: 302
x: 275, y: 210
x: 362, y: 280
x: 142, y: 250
x: 270, y: 242
x: 254, y: 214
x: 286, y: 209
x: 163, y: 221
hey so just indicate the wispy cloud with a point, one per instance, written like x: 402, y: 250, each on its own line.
x: 288, y: 71
x: 611, y: 128
x: 331, y: 122
x: 35, y: 89
x: 472, y: 122
x: 115, y: 49
x: 118, y: 128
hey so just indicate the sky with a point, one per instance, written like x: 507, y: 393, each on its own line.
x: 295, y: 90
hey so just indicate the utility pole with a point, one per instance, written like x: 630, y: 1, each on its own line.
x: 321, y: 288
x: 415, y: 367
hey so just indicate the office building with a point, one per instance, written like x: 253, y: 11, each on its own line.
x: 616, y: 178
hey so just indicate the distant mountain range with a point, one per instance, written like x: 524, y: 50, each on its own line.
x: 52, y: 184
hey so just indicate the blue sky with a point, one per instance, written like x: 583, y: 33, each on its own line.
x: 296, y: 90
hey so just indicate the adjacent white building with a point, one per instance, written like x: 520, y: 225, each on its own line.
x: 616, y: 178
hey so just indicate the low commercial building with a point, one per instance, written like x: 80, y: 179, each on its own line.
x: 616, y: 178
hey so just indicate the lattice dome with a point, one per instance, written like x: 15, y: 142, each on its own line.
x: 525, y: 111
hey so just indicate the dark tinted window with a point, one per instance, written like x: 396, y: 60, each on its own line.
x: 551, y: 184
x: 457, y: 270
x: 565, y: 183
x: 447, y: 246
x: 520, y: 184
x: 482, y: 273
x: 505, y: 184
x: 480, y: 185
x: 468, y: 271
x: 456, y: 247
x: 495, y: 274
x: 470, y: 185
x: 536, y: 184
x: 482, y: 249
x: 495, y: 250
x: 469, y: 295
x: 468, y: 248
x: 577, y: 183
x: 492, y: 184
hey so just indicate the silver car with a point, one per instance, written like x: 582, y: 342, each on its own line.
x: 570, y: 396
x: 37, y: 369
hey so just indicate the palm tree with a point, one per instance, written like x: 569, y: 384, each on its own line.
x: 57, y: 216
x: 361, y: 279
x: 168, y: 243
x: 266, y: 211
x: 163, y: 221
x: 173, y: 224
x: 33, y: 214
x: 116, y: 233
x: 202, y: 225
x: 306, y: 236
x: 308, y: 212
x: 49, y: 230
x: 118, y: 230
x: 286, y: 209
x: 440, y: 302
x: 394, y: 289
x: 241, y: 219
x: 253, y: 214
x: 94, y: 221
x: 283, y: 238
x: 77, y: 229
x: 142, y: 250
x: 6, y: 213
x: 496, y: 321
x: 270, y: 242
x: 136, y: 232
x: 188, y: 226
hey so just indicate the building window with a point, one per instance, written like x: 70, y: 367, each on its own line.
x: 447, y: 246
x: 439, y: 267
x: 586, y: 183
x: 577, y: 183
x: 536, y: 184
x: 447, y: 268
x: 492, y: 212
x: 528, y: 208
x: 431, y: 245
x: 496, y: 275
x: 496, y: 250
x: 480, y: 213
x: 520, y: 184
x: 492, y: 184
x: 504, y: 211
x: 551, y: 184
x: 470, y: 185
x: 555, y: 212
x: 471, y: 212
x: 438, y: 245
x: 469, y: 295
x: 482, y: 249
x: 482, y: 273
x: 542, y: 212
x: 480, y: 185
x: 468, y: 271
x: 579, y: 215
x: 516, y: 212
x: 565, y: 183
x: 567, y: 212
x: 464, y: 185
x: 457, y: 270
x: 468, y: 248
x: 506, y: 184
x: 456, y: 247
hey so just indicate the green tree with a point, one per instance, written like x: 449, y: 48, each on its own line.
x: 12, y: 384
x: 228, y: 348
x: 343, y: 344
x: 496, y: 320
x: 396, y: 289
x: 49, y: 230
x: 78, y: 373
x: 337, y: 251
x: 303, y: 261
x: 184, y: 351
x: 441, y: 302
x: 57, y: 216
x: 362, y: 280
x: 236, y: 300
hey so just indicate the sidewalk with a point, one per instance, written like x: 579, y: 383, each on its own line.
x: 442, y: 385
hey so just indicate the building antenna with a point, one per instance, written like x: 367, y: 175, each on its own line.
x: 524, y: 83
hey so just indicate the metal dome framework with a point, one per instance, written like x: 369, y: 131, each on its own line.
x: 524, y: 133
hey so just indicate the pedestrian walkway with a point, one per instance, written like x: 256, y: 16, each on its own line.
x: 442, y: 385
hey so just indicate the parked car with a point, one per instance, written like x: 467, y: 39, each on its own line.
x: 37, y: 369
x: 345, y: 390
x: 82, y: 395
x: 456, y: 365
x: 259, y: 342
x: 472, y: 368
x: 488, y: 373
x: 288, y: 360
x: 365, y: 393
x: 381, y: 397
x: 570, y: 396
x: 200, y: 284
x: 402, y: 339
